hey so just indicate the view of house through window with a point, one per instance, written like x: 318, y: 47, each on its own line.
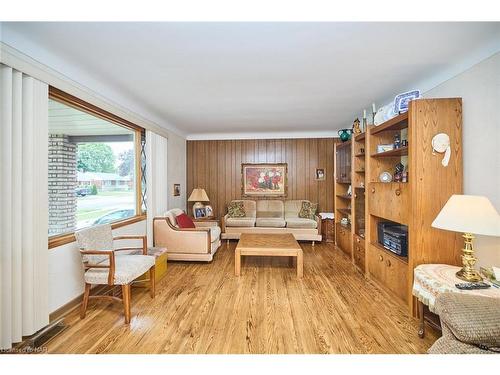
x: 91, y: 170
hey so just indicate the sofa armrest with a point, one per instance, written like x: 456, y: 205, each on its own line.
x: 223, y: 223
x: 181, y: 240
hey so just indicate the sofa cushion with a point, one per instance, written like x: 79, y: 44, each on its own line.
x: 184, y: 221
x: 299, y: 222
x: 172, y: 214
x: 271, y: 222
x: 240, y: 222
x: 308, y: 210
x: 270, y: 209
x: 292, y: 208
x: 236, y: 209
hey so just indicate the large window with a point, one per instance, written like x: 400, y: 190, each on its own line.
x: 95, y: 173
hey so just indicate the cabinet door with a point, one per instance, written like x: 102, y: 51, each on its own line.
x: 376, y: 264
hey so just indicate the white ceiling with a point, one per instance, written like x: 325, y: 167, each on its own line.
x: 218, y: 78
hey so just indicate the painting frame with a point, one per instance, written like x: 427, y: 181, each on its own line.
x: 249, y: 169
x: 176, y: 190
x: 320, y: 174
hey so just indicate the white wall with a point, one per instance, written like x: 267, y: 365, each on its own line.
x: 176, y: 170
x: 479, y: 88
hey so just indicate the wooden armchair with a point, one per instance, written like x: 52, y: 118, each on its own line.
x: 103, y: 267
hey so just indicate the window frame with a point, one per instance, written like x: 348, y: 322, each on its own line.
x: 72, y: 101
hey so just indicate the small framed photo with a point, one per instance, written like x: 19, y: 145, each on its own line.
x: 209, y: 210
x: 320, y: 174
x: 200, y: 213
x: 177, y: 190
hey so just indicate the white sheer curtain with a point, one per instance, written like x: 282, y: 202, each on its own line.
x: 23, y: 206
x: 156, y: 179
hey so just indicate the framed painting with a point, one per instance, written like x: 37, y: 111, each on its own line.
x: 264, y: 180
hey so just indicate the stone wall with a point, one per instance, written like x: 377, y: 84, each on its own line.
x: 62, y: 185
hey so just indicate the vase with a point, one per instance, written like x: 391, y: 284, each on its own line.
x: 345, y: 134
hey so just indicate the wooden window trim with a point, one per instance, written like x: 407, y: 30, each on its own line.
x: 73, y: 101
x: 66, y: 238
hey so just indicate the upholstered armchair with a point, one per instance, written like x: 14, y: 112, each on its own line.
x: 470, y: 324
x: 188, y: 244
x: 103, y: 267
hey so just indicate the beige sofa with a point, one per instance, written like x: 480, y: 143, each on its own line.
x: 190, y: 244
x: 272, y: 216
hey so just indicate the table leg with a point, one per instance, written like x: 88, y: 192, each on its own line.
x: 300, y: 264
x: 237, y: 262
x: 421, y: 324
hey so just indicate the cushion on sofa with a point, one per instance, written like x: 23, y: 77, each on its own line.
x: 172, y: 214
x: 249, y: 206
x: 292, y: 208
x: 270, y: 222
x: 240, y: 222
x: 308, y: 210
x: 236, y: 209
x: 297, y: 222
x: 270, y: 209
x: 184, y: 221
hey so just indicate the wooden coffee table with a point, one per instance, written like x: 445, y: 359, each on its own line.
x: 275, y: 245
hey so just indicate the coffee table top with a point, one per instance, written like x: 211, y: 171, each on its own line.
x: 256, y: 241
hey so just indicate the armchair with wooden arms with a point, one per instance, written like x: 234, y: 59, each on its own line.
x: 187, y: 244
x: 103, y: 267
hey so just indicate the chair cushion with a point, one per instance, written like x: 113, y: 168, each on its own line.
x: 240, y: 222
x: 270, y: 208
x: 301, y: 223
x: 184, y: 221
x: 236, y: 209
x: 472, y: 319
x: 214, y: 233
x: 99, y: 237
x: 292, y: 208
x: 127, y: 269
x: 308, y: 210
x: 270, y: 222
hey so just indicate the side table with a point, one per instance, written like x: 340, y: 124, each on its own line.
x: 430, y: 280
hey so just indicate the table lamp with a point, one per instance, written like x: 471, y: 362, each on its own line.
x: 468, y: 214
x: 198, y: 195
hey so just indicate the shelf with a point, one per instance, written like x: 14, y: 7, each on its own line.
x: 344, y: 182
x: 395, y: 256
x: 345, y: 211
x: 360, y: 137
x: 396, y: 123
x: 344, y: 144
x: 344, y: 196
x: 361, y: 155
x: 402, y: 151
x: 360, y: 171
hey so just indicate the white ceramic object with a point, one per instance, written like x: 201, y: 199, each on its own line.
x: 385, y: 177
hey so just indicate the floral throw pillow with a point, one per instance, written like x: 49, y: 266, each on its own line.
x: 236, y: 209
x: 308, y: 210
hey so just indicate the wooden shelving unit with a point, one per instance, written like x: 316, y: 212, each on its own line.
x: 415, y: 203
x: 343, y: 200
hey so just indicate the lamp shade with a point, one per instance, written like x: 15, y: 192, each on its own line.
x: 469, y: 214
x: 198, y: 195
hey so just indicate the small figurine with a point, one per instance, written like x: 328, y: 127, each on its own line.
x: 355, y: 127
x: 398, y: 174
x: 397, y: 141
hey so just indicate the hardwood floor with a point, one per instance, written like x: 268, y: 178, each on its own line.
x: 204, y: 308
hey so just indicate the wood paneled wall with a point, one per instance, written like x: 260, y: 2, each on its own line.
x: 216, y: 167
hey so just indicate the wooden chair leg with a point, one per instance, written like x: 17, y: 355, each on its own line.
x: 152, y: 282
x: 85, y: 301
x: 126, y: 302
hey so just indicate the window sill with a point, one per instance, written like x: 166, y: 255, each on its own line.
x: 63, y: 239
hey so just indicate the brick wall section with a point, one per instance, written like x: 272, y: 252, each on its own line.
x: 62, y: 184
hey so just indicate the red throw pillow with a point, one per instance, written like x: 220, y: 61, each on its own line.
x: 184, y: 221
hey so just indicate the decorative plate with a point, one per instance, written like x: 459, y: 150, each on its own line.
x: 401, y: 101
x: 385, y: 177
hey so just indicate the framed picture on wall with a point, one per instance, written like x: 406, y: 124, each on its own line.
x: 177, y: 190
x: 264, y: 180
x: 320, y: 174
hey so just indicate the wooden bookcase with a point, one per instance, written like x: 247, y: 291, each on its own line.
x: 414, y: 203
x: 343, y: 201
x: 358, y: 202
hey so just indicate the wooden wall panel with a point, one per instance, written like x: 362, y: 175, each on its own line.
x: 216, y: 167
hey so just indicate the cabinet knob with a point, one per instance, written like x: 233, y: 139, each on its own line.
x: 398, y: 192
x: 388, y: 263
x: 380, y: 258
x: 373, y: 190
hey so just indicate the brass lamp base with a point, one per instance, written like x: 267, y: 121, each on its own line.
x: 468, y: 273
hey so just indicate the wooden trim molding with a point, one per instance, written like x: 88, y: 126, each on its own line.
x: 67, y: 238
